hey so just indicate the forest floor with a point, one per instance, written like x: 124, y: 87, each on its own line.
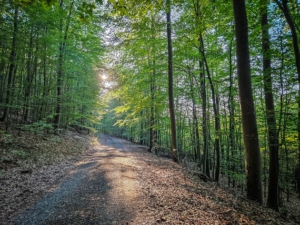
x: 76, y: 179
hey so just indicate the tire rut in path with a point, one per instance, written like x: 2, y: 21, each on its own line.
x: 102, y: 189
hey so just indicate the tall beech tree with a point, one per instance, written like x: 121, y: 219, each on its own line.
x: 215, y: 102
x: 62, y: 48
x: 170, y: 82
x: 198, y: 13
x: 270, y: 109
x: 251, y: 141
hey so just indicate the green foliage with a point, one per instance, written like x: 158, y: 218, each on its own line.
x: 38, y: 127
x: 33, y: 95
x: 6, y: 138
x: 19, y: 153
x: 86, y: 11
x: 136, y: 102
x: 142, y: 64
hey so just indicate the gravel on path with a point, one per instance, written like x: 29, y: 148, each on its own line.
x: 101, y: 189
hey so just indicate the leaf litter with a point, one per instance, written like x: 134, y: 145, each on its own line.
x: 170, y: 194
x: 31, y: 164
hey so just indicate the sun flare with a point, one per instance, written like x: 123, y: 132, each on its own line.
x: 104, y: 77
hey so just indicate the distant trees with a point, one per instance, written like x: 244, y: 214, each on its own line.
x: 47, y: 65
x: 12, y: 65
x: 214, y: 71
x: 285, y: 8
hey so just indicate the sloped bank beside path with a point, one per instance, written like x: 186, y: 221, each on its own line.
x: 101, y: 189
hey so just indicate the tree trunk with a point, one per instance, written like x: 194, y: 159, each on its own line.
x: 251, y: 143
x: 270, y: 111
x: 283, y: 5
x: 216, y: 113
x: 11, y: 71
x: 152, y: 116
x: 151, y: 64
x: 205, y: 159
x: 29, y: 79
x: 170, y: 83
x: 45, y: 90
x: 195, y: 130
x: 59, y: 75
x: 62, y: 46
x: 231, y: 109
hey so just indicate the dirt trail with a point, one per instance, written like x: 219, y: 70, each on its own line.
x: 121, y: 183
x: 102, y: 189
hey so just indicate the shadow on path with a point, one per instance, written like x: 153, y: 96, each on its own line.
x: 100, y: 190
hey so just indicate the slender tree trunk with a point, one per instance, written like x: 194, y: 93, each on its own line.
x: 283, y: 5
x: 152, y: 116
x: 198, y: 21
x: 29, y: 79
x: 2, y: 74
x: 231, y: 108
x: 62, y: 47
x: 11, y: 71
x: 59, y: 74
x: 195, y: 133
x: 142, y: 140
x: 44, y: 75
x: 151, y: 64
x: 282, y: 122
x: 170, y: 83
x: 251, y: 143
x: 204, y: 159
x: 216, y: 114
x: 36, y: 89
x: 270, y: 111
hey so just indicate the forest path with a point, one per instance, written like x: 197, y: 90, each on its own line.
x: 101, y: 189
x: 121, y: 183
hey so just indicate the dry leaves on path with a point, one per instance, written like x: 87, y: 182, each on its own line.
x: 172, y: 196
x: 169, y: 195
x: 30, y: 165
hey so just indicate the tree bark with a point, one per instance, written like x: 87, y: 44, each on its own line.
x: 59, y: 75
x: 231, y: 109
x: 152, y: 112
x: 270, y: 111
x: 170, y: 83
x: 283, y: 5
x: 29, y: 79
x: 62, y: 47
x: 195, y: 130
x: 12, y: 61
x: 216, y: 113
x: 251, y: 143
x: 205, y: 159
